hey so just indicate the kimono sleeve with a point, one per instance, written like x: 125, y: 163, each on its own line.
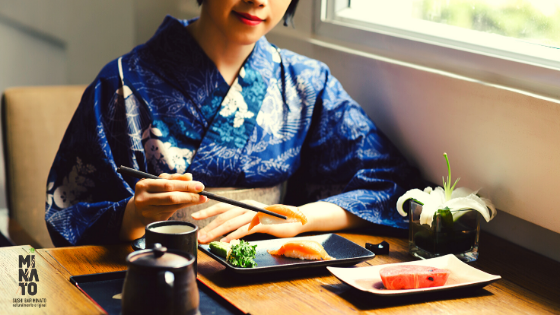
x: 86, y: 198
x: 348, y: 161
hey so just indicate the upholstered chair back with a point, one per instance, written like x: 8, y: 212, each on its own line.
x: 34, y: 120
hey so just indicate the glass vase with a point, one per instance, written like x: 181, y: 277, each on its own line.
x: 452, y: 232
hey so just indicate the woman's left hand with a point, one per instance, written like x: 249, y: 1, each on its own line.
x: 234, y: 222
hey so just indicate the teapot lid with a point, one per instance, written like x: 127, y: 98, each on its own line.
x: 159, y: 257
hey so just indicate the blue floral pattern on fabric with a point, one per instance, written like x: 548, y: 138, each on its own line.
x: 168, y: 109
x: 237, y: 116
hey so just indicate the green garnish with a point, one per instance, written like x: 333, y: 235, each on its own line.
x: 243, y: 255
x: 447, y: 184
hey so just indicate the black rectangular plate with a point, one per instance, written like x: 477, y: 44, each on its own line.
x: 101, y: 287
x: 346, y: 253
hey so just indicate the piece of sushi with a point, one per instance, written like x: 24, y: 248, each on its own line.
x: 303, y: 249
x: 293, y: 214
x: 412, y: 277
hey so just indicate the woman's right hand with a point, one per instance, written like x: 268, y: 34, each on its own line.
x: 157, y: 200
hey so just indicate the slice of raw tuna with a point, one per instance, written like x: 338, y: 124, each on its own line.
x: 412, y: 277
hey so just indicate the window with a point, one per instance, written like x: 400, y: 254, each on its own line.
x: 515, y: 43
x: 536, y: 21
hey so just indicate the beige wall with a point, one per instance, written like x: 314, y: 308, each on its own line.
x: 91, y: 32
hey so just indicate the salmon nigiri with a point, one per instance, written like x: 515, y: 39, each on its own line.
x: 304, y: 249
x: 292, y: 214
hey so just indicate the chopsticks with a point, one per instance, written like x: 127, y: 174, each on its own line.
x: 139, y: 174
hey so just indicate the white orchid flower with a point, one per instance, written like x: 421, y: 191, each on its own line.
x: 442, y: 198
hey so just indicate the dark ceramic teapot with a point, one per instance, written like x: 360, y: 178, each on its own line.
x: 160, y: 281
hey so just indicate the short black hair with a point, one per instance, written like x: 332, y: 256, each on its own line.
x: 288, y: 16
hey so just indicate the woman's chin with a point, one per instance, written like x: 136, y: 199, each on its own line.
x: 247, y: 38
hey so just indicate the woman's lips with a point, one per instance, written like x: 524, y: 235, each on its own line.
x: 248, y: 18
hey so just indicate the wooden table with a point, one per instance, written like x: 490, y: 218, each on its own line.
x: 54, y: 291
x: 530, y: 283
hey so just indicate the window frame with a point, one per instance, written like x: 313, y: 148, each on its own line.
x: 507, y: 69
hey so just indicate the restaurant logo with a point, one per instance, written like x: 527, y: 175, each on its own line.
x: 28, y: 278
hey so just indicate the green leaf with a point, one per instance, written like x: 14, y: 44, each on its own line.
x: 447, y: 184
x: 243, y: 255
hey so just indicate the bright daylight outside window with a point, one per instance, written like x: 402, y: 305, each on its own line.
x: 526, y: 27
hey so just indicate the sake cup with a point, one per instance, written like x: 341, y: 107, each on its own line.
x: 177, y: 235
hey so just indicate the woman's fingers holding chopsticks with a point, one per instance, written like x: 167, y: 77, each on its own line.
x: 154, y: 192
x: 169, y: 198
x: 158, y: 199
x: 156, y: 185
x: 185, y: 177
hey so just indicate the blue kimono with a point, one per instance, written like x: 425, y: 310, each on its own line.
x: 164, y: 107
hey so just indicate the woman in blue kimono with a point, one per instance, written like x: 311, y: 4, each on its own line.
x: 210, y: 102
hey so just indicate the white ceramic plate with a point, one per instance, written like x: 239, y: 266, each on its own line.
x: 461, y: 276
